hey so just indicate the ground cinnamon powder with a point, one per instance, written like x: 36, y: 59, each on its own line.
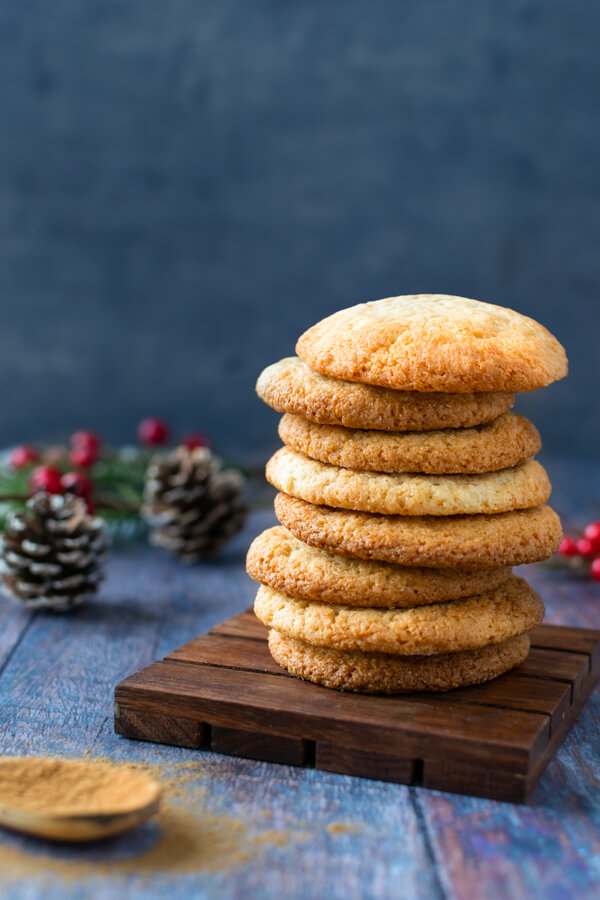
x: 183, y: 838
x: 49, y: 787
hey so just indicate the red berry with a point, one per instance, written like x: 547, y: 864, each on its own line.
x: 153, y: 431
x: 568, y: 547
x: 585, y: 547
x: 592, y: 533
x: 195, y: 439
x: 45, y: 478
x: 86, y: 438
x: 76, y: 483
x: 83, y: 456
x: 595, y: 569
x: 23, y: 456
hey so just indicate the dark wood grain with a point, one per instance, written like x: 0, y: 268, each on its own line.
x: 516, y: 691
x: 245, y: 625
x: 254, y: 745
x: 367, y: 763
x: 492, y: 739
x: 572, y: 668
x: 161, y: 729
x: 459, y: 777
x: 573, y: 640
x: 234, y: 652
x: 403, y: 724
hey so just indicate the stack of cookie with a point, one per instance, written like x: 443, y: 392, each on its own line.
x: 408, y: 492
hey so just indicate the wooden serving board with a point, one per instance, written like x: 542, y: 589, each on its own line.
x: 224, y: 692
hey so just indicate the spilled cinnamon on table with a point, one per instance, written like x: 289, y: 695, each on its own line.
x: 183, y: 837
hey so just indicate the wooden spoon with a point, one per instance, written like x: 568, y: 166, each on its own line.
x: 73, y: 800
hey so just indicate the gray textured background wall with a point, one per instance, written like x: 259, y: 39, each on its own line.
x: 185, y: 186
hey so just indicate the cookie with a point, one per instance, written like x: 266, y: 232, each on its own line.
x: 387, y: 673
x: 490, y: 618
x: 466, y: 542
x: 434, y: 342
x: 521, y: 487
x: 291, y: 386
x: 278, y: 559
x: 507, y: 441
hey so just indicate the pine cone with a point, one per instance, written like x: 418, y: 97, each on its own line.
x: 50, y: 552
x: 194, y: 506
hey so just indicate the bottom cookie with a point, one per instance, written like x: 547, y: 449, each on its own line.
x: 386, y: 673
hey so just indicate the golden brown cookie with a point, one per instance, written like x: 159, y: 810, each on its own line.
x: 507, y: 441
x: 521, y: 487
x: 278, y: 559
x: 465, y: 542
x: 490, y: 618
x: 434, y: 342
x: 291, y: 386
x: 387, y: 673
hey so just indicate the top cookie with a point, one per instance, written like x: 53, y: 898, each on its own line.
x: 293, y: 387
x: 434, y: 342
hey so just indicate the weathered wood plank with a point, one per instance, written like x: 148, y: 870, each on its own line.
x: 14, y: 620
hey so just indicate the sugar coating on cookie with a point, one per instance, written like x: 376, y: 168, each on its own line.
x: 481, y: 541
x: 467, y: 624
x: 504, y: 442
x: 278, y: 559
x: 386, y: 673
x: 290, y: 385
x: 521, y: 487
x: 434, y: 342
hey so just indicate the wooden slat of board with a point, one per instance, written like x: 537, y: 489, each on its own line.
x: 572, y: 668
x: 406, y: 726
x: 233, y: 652
x: 459, y: 777
x: 255, y: 745
x: 245, y: 624
x: 366, y: 763
x: 539, y: 764
x: 560, y: 634
x: 574, y: 640
x: 511, y: 691
x: 550, y: 697
x: 160, y: 729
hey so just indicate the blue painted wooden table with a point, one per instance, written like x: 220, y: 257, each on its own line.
x: 238, y: 828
